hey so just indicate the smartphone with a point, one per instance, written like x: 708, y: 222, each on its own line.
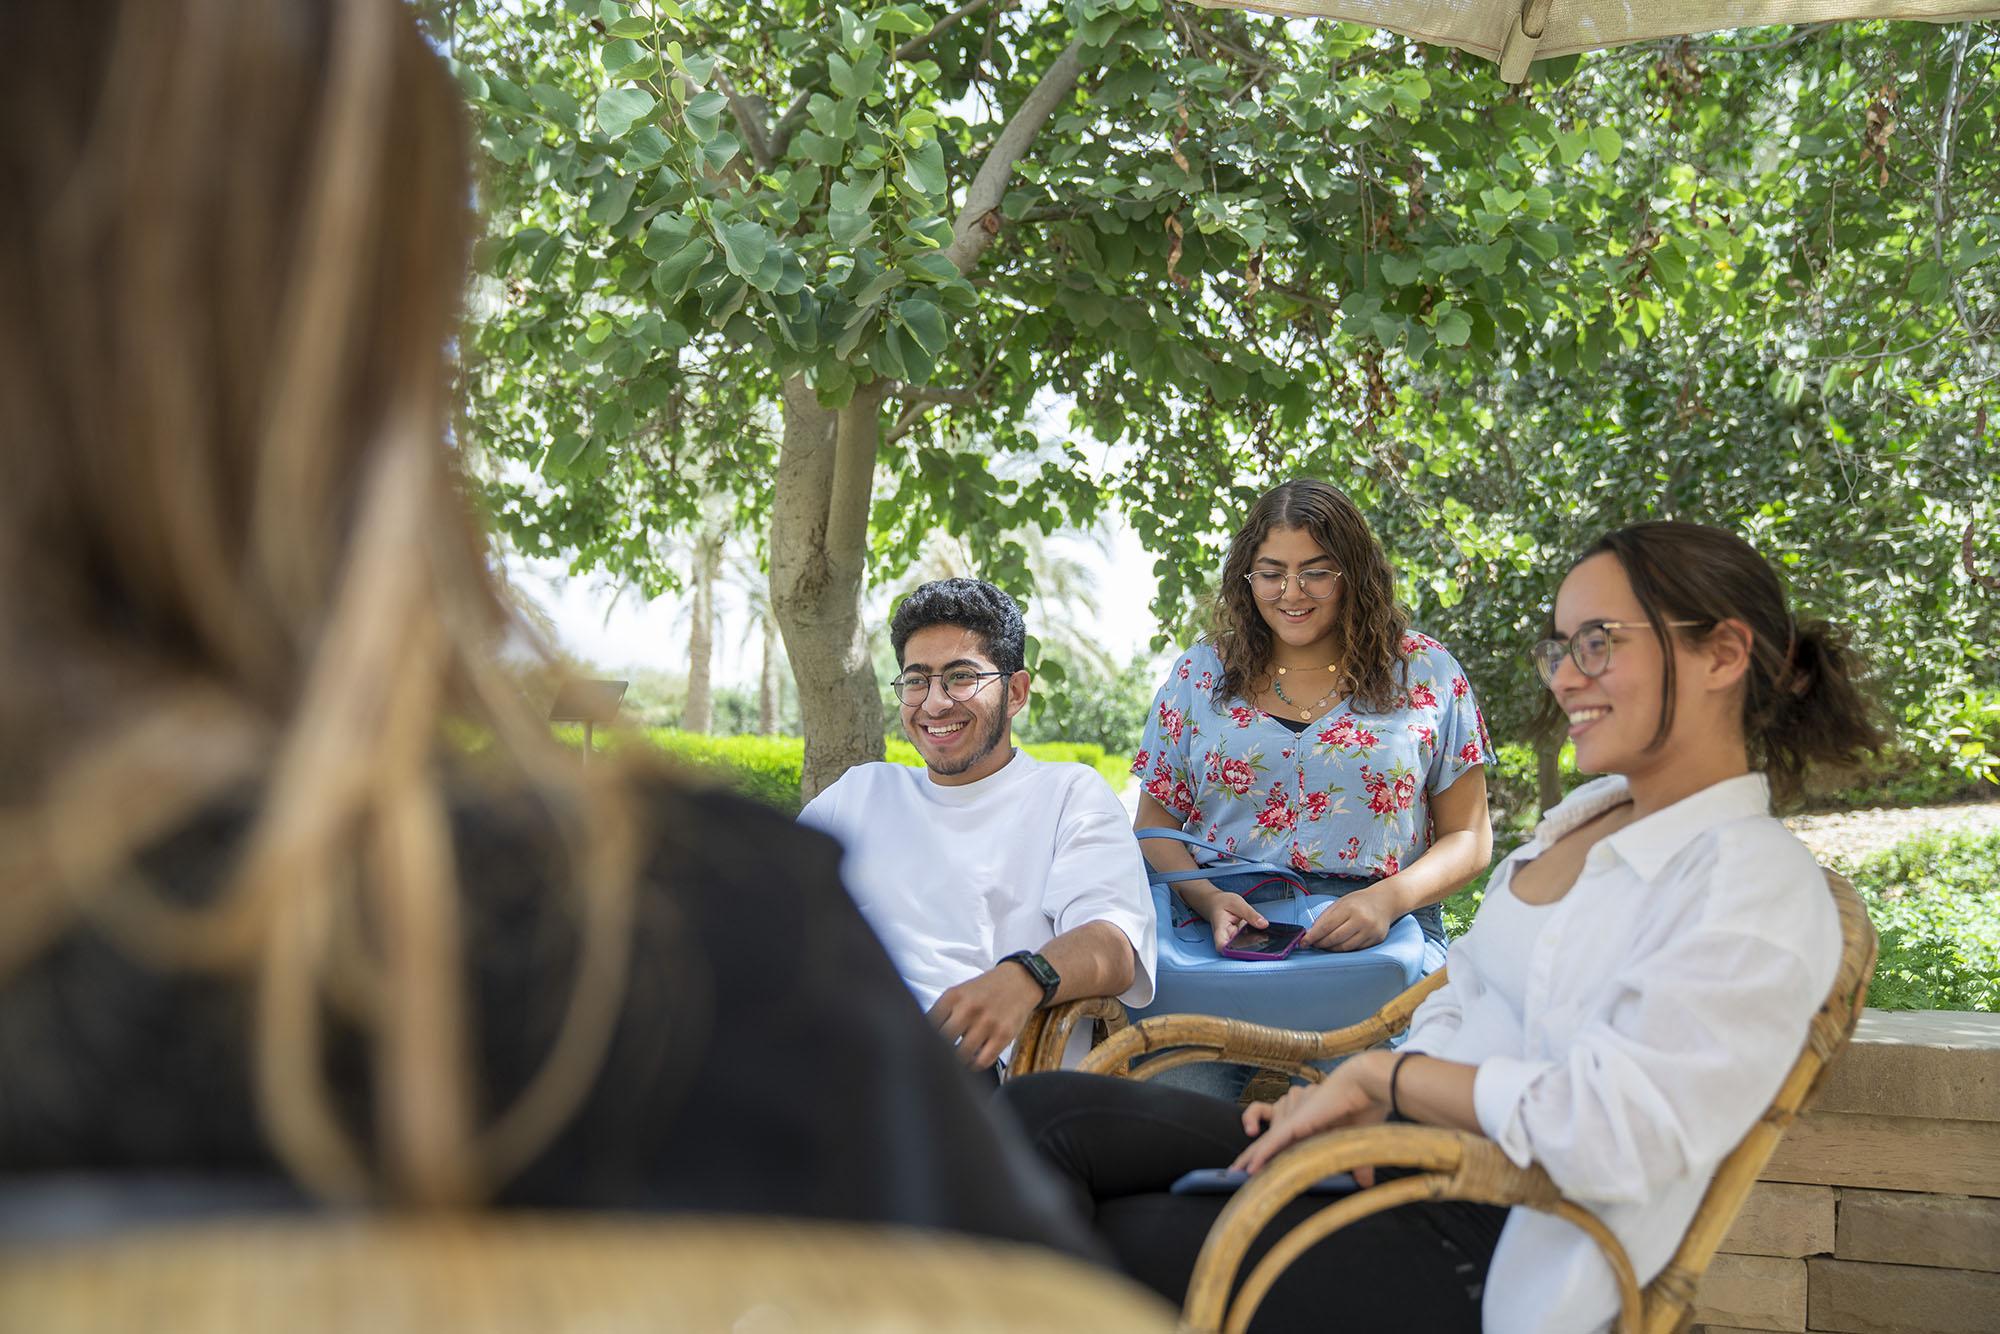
x: 1223, y: 1181
x: 1263, y: 942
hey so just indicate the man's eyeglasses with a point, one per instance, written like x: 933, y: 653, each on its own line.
x: 1589, y: 648
x: 960, y: 683
x: 1270, y: 585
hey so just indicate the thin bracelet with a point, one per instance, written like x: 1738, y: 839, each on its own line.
x: 1394, y: 1071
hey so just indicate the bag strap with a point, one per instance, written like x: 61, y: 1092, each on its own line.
x: 1233, y: 866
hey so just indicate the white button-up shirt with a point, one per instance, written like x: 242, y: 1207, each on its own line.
x: 1668, y: 995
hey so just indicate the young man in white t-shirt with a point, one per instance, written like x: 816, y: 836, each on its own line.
x: 998, y: 883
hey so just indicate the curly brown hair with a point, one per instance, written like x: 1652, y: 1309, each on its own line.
x: 1369, y: 625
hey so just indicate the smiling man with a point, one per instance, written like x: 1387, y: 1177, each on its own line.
x: 999, y: 883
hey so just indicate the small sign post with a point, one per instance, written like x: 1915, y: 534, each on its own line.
x: 589, y: 703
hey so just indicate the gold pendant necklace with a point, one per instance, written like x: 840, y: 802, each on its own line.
x: 1306, y: 711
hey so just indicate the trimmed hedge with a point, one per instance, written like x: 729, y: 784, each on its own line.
x: 1935, y: 902
x: 769, y: 768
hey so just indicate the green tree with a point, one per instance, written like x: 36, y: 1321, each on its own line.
x: 793, y: 253
x: 1212, y: 234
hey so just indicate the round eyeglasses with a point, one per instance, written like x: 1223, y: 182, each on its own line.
x: 960, y: 683
x: 1589, y: 648
x: 1270, y: 585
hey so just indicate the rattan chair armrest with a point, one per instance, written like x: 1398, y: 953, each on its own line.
x: 1046, y: 1035
x: 1452, y: 1165
x: 1202, y: 1037
x: 1214, y: 1039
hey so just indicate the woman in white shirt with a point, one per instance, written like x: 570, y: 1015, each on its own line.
x: 1640, y: 976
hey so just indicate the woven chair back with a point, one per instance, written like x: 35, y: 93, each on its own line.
x: 501, y: 1273
x: 1669, y: 1298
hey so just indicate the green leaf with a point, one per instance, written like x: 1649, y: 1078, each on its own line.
x: 847, y: 219
x: 703, y: 114
x: 612, y: 200
x: 1402, y: 270
x: 559, y: 105
x: 620, y: 108
x: 923, y: 170
x: 1452, y: 328
x: 719, y: 150
x: 1669, y: 265
x: 670, y: 275
x: 698, y: 68
x: 744, y: 245
x: 667, y: 233
x: 630, y: 27
x: 1608, y: 143
x: 925, y: 322
x: 905, y: 19
x: 1570, y: 146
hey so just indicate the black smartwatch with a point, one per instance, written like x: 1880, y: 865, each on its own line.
x: 1038, y: 968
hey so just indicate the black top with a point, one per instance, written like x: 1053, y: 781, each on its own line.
x: 1290, y: 724
x: 768, y: 1059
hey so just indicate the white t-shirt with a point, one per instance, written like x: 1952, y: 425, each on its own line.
x: 954, y: 879
x: 1667, y: 995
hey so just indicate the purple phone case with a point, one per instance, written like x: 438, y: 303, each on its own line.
x: 1290, y: 945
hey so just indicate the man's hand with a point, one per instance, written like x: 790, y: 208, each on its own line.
x: 984, y: 1015
x: 1356, y: 920
x: 1344, y: 1098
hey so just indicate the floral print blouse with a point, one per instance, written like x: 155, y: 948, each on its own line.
x: 1349, y: 796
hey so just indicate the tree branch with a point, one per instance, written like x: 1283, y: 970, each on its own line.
x: 923, y: 394
x: 923, y: 39
x: 918, y: 400
x: 748, y: 120
x: 1941, y: 199
x: 788, y: 125
x: 971, y: 233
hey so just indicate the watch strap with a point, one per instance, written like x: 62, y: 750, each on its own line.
x: 1040, y: 969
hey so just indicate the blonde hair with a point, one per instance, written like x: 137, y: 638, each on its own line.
x: 234, y: 554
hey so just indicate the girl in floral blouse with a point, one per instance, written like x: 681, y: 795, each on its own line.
x: 1312, y: 728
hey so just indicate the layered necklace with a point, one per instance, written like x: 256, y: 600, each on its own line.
x: 1306, y: 711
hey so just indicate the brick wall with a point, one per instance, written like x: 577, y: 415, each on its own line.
x: 1880, y: 1212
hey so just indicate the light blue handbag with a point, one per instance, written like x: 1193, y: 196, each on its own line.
x: 1308, y: 989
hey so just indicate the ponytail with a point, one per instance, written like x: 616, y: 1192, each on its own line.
x: 1810, y: 709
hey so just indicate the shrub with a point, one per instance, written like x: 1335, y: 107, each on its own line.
x: 768, y: 768
x: 1935, y: 902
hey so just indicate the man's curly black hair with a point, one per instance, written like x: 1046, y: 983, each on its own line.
x: 971, y: 604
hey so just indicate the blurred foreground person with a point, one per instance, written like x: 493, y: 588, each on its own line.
x: 259, y: 922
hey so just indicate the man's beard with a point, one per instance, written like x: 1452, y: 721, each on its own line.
x: 996, y: 729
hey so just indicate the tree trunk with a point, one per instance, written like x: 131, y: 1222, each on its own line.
x: 1548, y: 771
x: 770, y: 685
x: 698, y: 715
x: 819, y: 550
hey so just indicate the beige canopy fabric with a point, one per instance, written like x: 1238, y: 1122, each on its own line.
x: 1515, y: 32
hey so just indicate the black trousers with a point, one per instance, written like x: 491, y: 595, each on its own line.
x: 1120, y: 1144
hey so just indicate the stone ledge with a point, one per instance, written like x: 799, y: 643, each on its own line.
x: 1939, y: 1231
x: 1849, y: 1297
x: 1931, y: 1063
x: 1784, y: 1220
x: 1753, y: 1292
x: 1896, y: 1153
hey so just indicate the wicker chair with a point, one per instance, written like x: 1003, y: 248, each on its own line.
x: 1046, y: 1035
x: 544, y: 1274
x: 1455, y: 1165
